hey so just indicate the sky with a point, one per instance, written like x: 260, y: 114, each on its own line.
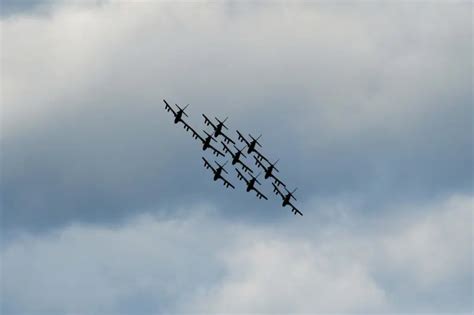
x: 106, y: 207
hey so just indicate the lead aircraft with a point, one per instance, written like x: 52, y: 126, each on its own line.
x: 178, y: 115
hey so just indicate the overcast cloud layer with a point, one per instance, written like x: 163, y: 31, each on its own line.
x: 106, y: 207
x: 344, y: 267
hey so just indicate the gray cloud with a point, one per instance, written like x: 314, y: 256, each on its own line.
x: 368, y: 107
x: 199, y: 263
x: 357, y: 106
x: 11, y: 8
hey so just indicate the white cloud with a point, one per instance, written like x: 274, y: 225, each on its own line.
x: 292, y: 276
x: 353, y: 69
x: 202, y: 263
x: 80, y: 89
x: 432, y: 244
x: 97, y: 269
x: 337, y: 270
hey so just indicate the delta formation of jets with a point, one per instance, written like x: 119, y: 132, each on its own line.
x: 237, y: 157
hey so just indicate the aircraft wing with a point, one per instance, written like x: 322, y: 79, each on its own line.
x: 277, y: 191
x: 227, y: 183
x: 227, y: 139
x: 208, y: 122
x: 259, y: 164
x: 227, y: 150
x: 260, y: 156
x: 195, y: 134
x: 259, y: 194
x: 245, y: 167
x: 242, y: 139
x: 277, y: 181
x: 241, y: 177
x: 208, y: 165
x: 216, y: 152
x: 294, y: 210
x: 168, y: 108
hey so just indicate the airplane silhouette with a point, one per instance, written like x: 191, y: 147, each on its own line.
x: 286, y: 198
x: 236, y: 157
x: 251, y: 184
x: 269, y: 171
x: 252, y: 145
x: 218, y: 128
x: 218, y: 172
x: 206, y: 143
x: 178, y: 116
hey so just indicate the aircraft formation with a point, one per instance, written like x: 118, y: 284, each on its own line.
x: 237, y: 156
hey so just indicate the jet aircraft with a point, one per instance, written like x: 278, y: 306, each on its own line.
x: 252, y: 145
x: 178, y: 116
x: 218, y: 172
x: 218, y: 128
x: 206, y: 143
x: 269, y: 171
x: 251, y: 184
x: 236, y: 157
x: 286, y: 198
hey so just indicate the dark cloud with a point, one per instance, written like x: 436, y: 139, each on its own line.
x: 353, y: 113
x: 10, y: 8
x: 107, y: 208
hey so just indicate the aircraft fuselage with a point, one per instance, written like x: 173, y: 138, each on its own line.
x: 250, y: 184
x: 178, y: 117
x: 236, y: 157
x: 251, y: 146
x: 217, y: 174
x: 206, y: 143
x: 268, y: 172
x: 218, y: 130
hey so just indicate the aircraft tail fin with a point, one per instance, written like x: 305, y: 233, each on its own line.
x: 222, y: 122
x: 256, y: 139
x: 293, y: 193
x: 209, y: 135
x: 183, y: 109
x: 274, y: 167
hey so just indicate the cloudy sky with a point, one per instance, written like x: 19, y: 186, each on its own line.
x: 107, y: 208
